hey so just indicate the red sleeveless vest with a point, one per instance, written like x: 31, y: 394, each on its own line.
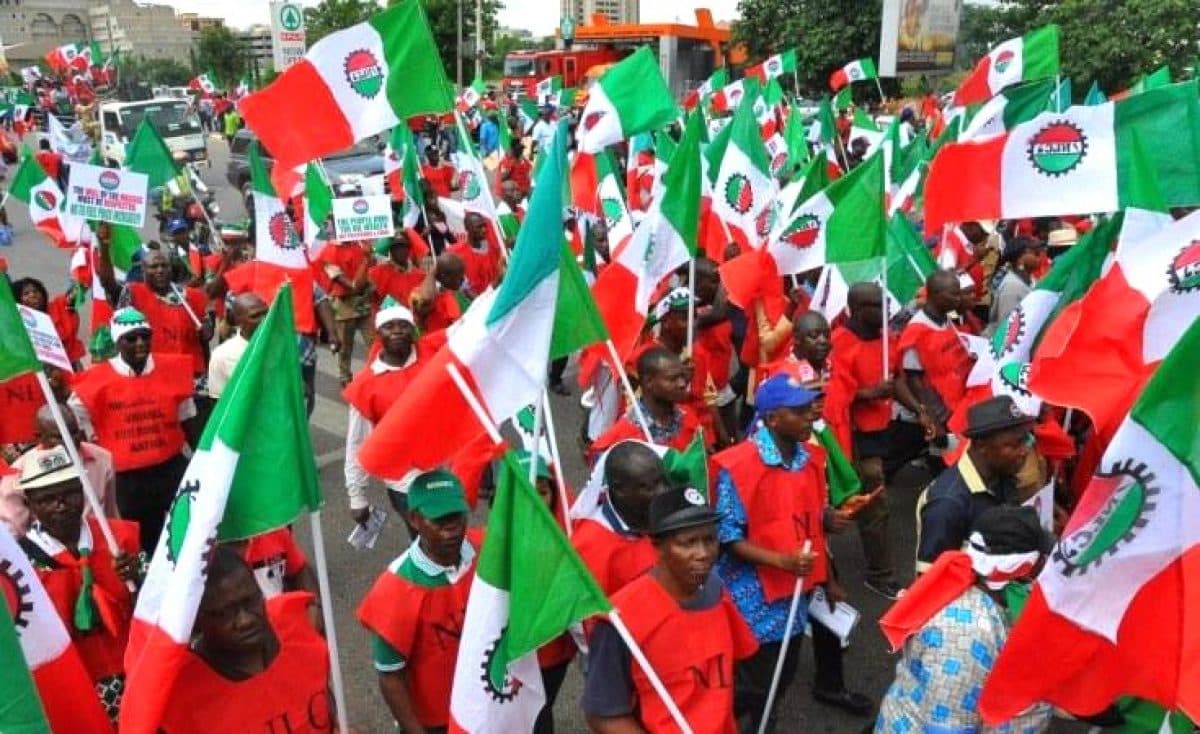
x: 424, y: 625
x: 613, y: 559
x: 783, y: 509
x: 291, y: 695
x: 136, y: 417
x: 946, y: 361
x: 693, y: 653
x: 174, y: 331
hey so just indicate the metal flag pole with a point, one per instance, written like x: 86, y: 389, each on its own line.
x: 884, y: 305
x: 691, y: 322
x: 335, y: 667
x: 633, y: 401
x: 793, y: 609
x: 539, y: 408
x: 564, y: 500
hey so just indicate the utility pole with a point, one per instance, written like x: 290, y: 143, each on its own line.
x: 458, y: 47
x: 478, y: 39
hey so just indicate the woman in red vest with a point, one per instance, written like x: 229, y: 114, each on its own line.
x: 255, y: 665
x: 86, y: 582
x: 139, y: 406
x: 684, y: 622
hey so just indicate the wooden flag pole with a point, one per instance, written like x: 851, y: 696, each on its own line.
x: 884, y: 306
x: 538, y: 415
x: 633, y: 401
x: 614, y: 617
x: 691, y: 322
x: 793, y: 609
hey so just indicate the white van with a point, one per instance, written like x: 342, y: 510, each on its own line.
x: 173, y: 120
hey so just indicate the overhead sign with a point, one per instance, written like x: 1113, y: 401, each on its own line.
x: 918, y: 37
x: 362, y: 218
x: 107, y: 194
x: 287, y: 34
x: 45, y: 339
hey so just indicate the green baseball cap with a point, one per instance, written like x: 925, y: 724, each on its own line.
x: 543, y: 470
x: 436, y: 494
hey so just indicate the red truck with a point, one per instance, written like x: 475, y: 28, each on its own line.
x: 524, y: 69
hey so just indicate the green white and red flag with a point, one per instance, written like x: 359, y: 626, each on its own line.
x: 859, y: 70
x: 717, y: 81
x: 530, y: 585
x: 1100, y: 350
x: 470, y: 95
x: 1114, y: 605
x: 1073, y: 162
x: 318, y: 205
x: 473, y: 187
x: 1029, y: 57
x: 773, y: 67
x: 1012, y: 106
x: 60, y: 697
x: 662, y: 241
x: 501, y: 346
x: 275, y: 239
x: 205, y: 83
x: 729, y: 97
x: 248, y: 476
x: 351, y: 84
x: 630, y: 98
x: 547, y: 89
x: 47, y: 204
x: 744, y: 188
x: 66, y: 57
x: 844, y: 222
x: 612, y: 201
x: 410, y: 177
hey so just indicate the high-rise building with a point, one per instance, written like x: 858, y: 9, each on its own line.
x: 152, y: 31
x: 35, y: 27
x: 617, y: 11
x: 256, y: 40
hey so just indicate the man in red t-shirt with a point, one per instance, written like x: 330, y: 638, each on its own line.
x: 479, y: 254
x: 438, y: 173
x: 344, y: 267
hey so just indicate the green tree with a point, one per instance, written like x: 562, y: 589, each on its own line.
x: 334, y: 15
x: 825, y: 35
x: 221, y: 52
x: 443, y: 21
x: 170, y: 72
x: 1112, y: 42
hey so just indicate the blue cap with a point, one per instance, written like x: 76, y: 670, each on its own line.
x: 783, y: 391
x: 177, y: 224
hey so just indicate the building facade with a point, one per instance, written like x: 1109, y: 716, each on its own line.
x: 617, y: 11
x: 256, y: 40
x: 35, y: 27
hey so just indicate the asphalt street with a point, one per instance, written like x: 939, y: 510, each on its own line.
x: 868, y: 665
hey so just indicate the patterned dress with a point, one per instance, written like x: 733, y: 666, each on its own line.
x: 940, y: 674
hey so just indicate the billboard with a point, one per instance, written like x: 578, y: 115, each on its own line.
x: 287, y: 34
x: 918, y: 36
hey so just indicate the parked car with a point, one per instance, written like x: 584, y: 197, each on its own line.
x: 346, y: 169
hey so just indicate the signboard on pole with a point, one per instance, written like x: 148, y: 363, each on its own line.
x: 287, y: 34
x: 107, y: 194
x: 918, y: 37
x: 45, y: 339
x: 362, y: 218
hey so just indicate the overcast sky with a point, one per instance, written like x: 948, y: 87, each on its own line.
x: 529, y: 14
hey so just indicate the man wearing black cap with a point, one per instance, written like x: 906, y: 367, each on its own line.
x: 952, y: 623
x: 685, y: 623
x: 984, y: 477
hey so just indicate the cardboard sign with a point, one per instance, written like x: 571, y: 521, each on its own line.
x: 107, y: 194
x: 362, y: 218
x: 46, y: 344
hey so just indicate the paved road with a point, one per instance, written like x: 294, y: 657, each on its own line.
x: 868, y: 665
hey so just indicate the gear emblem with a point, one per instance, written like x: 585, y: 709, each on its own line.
x: 739, y: 193
x: 1010, y: 333
x: 1015, y: 377
x: 1130, y: 493
x: 498, y: 684
x: 1057, y: 149
x: 1184, y: 271
x: 15, y: 592
x: 280, y: 229
x: 363, y: 73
